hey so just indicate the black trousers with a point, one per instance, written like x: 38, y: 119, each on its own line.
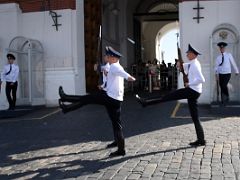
x: 223, y: 82
x: 113, y: 108
x: 192, y: 97
x: 11, y: 93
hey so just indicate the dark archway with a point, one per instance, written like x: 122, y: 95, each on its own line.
x: 164, y: 11
x: 149, y: 16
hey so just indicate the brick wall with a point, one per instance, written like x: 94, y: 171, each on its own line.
x: 42, y: 5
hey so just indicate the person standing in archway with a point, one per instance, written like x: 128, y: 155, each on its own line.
x: 10, y: 76
x: 223, y: 70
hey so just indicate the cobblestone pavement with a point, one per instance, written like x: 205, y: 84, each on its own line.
x: 72, y: 146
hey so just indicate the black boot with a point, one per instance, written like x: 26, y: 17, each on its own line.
x: 61, y: 92
x: 67, y: 108
x: 121, y: 145
x: 111, y: 145
x: 198, y: 143
x: 141, y: 101
x: 225, y: 100
x: 67, y: 98
x: 147, y: 102
x: 63, y: 106
x: 121, y: 149
x: 118, y: 153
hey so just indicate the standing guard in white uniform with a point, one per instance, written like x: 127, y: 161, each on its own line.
x: 111, y: 99
x: 223, y: 70
x: 191, y: 92
x: 10, y: 76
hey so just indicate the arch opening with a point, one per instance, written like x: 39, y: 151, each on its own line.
x: 229, y: 34
x: 29, y: 57
x: 149, y: 18
x: 166, y: 43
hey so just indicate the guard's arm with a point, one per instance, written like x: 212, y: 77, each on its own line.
x: 233, y: 64
x: 16, y: 73
x: 119, y: 71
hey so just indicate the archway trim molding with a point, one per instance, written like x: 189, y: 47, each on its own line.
x: 229, y: 27
x: 147, y: 5
x: 161, y: 33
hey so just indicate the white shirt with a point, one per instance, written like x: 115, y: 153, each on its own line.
x: 225, y: 68
x: 12, y: 76
x: 194, y: 71
x: 105, y: 69
x: 115, y: 81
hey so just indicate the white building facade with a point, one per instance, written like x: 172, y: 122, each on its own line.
x: 63, y: 56
x: 220, y: 22
x: 64, y: 50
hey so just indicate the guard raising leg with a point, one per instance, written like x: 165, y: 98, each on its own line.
x: 111, y: 98
x: 191, y: 92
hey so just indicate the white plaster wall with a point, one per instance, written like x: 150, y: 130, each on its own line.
x: 9, y: 17
x: 214, y: 13
x: 79, y: 47
x: 64, y: 56
x: 55, y: 78
x: 57, y: 44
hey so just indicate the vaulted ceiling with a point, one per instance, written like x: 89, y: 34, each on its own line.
x: 155, y: 10
x: 143, y: 6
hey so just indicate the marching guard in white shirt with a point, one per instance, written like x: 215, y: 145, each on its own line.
x: 191, y: 92
x: 223, y: 70
x: 111, y: 99
x: 10, y: 76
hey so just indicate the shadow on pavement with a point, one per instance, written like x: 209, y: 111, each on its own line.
x: 90, y: 123
x: 83, y: 167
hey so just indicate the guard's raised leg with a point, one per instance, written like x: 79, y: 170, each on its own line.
x: 174, y: 95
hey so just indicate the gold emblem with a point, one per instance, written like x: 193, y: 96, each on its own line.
x: 223, y: 35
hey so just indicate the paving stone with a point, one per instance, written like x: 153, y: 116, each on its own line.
x: 155, y: 150
x: 205, y: 175
x: 217, y: 177
x: 150, y: 168
x: 170, y: 176
x: 144, y: 178
x: 156, y: 178
x: 158, y: 174
x: 119, y: 178
x: 134, y: 176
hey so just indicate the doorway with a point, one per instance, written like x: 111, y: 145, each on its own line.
x: 229, y: 34
x: 92, y: 21
x: 29, y: 55
x: 150, y: 18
